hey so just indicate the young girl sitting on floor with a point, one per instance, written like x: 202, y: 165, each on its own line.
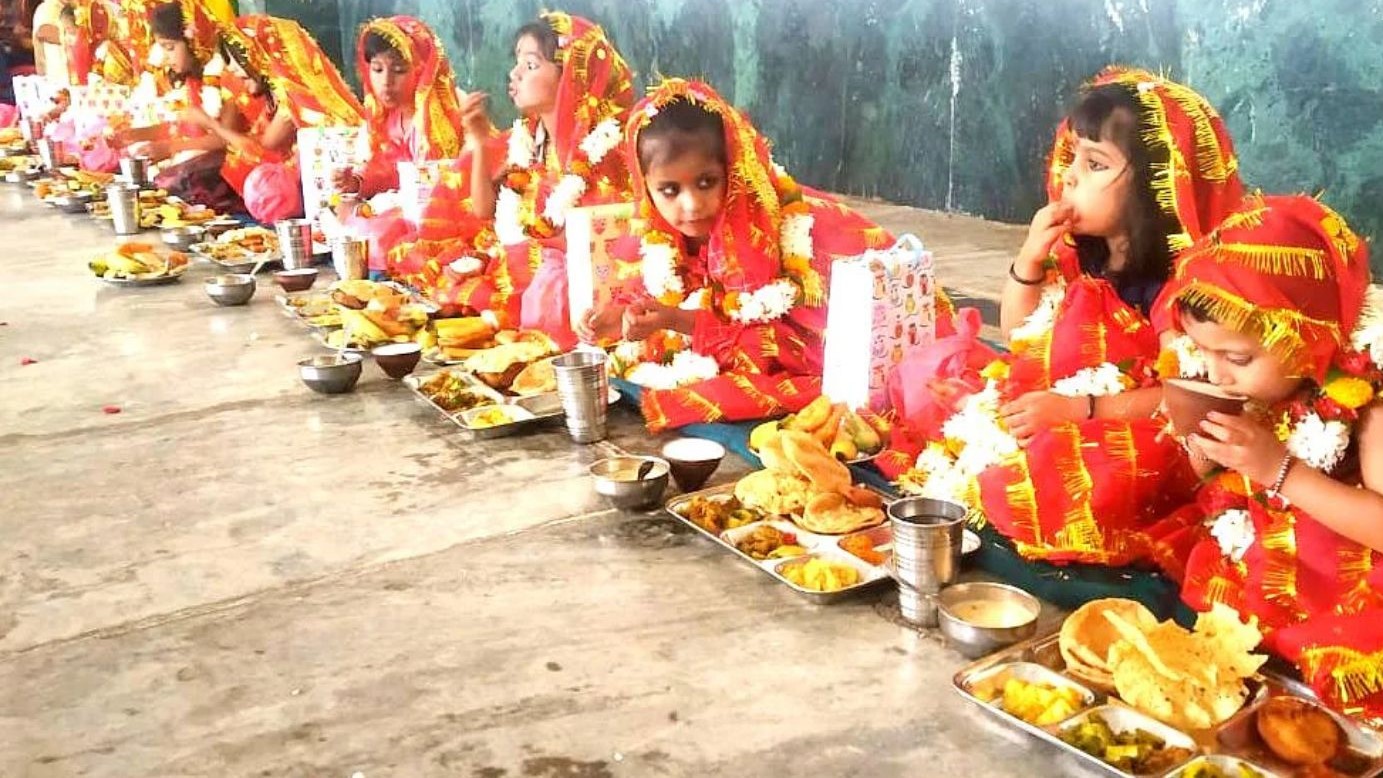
x: 735, y: 256
x: 1054, y: 444
x: 1276, y: 306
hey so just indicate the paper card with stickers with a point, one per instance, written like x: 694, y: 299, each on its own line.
x: 324, y: 150
x: 34, y: 96
x: 593, y: 272
x: 102, y: 99
x: 882, y: 310
x: 416, y: 182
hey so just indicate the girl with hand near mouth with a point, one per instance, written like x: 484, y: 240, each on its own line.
x: 492, y: 237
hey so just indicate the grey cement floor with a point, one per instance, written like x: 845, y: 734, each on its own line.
x: 235, y: 577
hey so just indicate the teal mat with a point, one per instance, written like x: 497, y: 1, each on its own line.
x: 1067, y: 586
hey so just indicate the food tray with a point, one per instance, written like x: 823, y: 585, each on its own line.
x: 1235, y: 739
x: 172, y: 277
x: 285, y: 300
x: 243, y: 265
x: 824, y: 546
x: 320, y: 335
x: 541, y: 408
x: 414, y: 383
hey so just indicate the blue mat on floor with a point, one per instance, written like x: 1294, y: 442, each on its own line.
x: 1067, y: 586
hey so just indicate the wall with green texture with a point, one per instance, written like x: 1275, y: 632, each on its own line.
x: 951, y: 104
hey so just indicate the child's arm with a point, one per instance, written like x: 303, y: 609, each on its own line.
x: 1251, y: 449
x: 1023, y: 289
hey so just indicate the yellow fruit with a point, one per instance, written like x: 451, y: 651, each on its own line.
x: 865, y: 438
x: 362, y: 329
x: 812, y: 417
x: 762, y: 434
x: 843, y: 447
x: 827, y: 432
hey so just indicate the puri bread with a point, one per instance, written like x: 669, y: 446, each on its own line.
x: 830, y: 513
x: 814, y: 462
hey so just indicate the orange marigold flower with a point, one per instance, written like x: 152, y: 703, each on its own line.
x: 1168, y: 366
x: 1353, y: 393
x: 731, y: 302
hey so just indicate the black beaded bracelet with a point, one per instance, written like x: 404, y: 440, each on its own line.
x: 1013, y: 273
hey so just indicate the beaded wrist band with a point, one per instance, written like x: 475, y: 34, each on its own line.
x: 1282, y: 471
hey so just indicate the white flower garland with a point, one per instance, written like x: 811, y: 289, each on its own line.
x: 1367, y: 337
x: 1190, y: 361
x: 509, y: 216
x: 1043, y: 317
x: 687, y: 367
x: 563, y: 198
x: 1319, y: 443
x: 601, y: 140
x: 795, y: 237
x: 658, y: 261
x: 1103, y: 380
x: 768, y: 303
x: 522, y: 154
x: 1234, y: 531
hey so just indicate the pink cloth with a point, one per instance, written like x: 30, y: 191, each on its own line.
x: 545, y: 305
x: 100, y: 158
x: 273, y: 192
x: 9, y: 115
x: 383, y: 230
x: 381, y: 174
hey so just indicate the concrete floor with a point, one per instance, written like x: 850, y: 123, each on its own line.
x: 236, y: 577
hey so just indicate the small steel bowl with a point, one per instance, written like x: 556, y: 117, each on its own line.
x: 616, y: 480
x: 297, y: 279
x: 183, y: 238
x: 976, y: 640
x: 331, y: 373
x: 230, y: 288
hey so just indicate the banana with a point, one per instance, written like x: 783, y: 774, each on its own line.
x: 361, y: 327
x: 843, y: 447
x: 812, y: 417
x: 865, y: 438
x: 762, y: 434
x: 827, y: 432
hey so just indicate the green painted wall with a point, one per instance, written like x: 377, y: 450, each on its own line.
x: 952, y: 103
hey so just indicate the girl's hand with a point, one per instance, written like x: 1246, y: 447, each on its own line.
x: 1048, y: 225
x: 601, y: 324
x: 345, y: 181
x: 643, y: 318
x: 1038, y: 411
x: 194, y: 114
x: 1240, y: 444
x: 475, y: 120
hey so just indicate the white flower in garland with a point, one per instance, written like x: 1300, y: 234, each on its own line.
x: 601, y: 140
x: 521, y: 146
x: 686, y: 367
x: 1319, y: 443
x: 1234, y: 531
x: 660, y: 277
x: 1190, y: 361
x: 563, y: 198
x: 769, y: 302
x: 1368, y: 333
x: 509, y: 216
x: 697, y: 300
x: 977, y: 426
x: 1043, y: 317
x: 1104, y: 380
x: 795, y: 240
